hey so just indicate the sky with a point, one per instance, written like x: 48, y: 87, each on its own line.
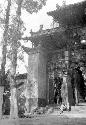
x: 33, y: 21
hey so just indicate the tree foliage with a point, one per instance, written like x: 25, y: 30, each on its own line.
x: 33, y: 5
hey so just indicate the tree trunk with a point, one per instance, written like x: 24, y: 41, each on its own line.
x: 13, y: 98
x: 13, y: 90
x: 4, y: 51
x: 1, y: 100
x: 13, y: 102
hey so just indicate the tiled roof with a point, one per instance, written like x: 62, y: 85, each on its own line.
x: 70, y: 14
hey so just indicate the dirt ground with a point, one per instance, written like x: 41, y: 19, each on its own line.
x: 47, y: 120
x: 77, y: 116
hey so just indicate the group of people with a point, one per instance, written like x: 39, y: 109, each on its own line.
x: 77, y: 85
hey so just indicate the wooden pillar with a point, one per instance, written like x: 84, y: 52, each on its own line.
x: 65, y: 76
x: 68, y: 78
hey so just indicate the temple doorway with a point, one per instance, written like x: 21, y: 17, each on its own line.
x: 56, y: 66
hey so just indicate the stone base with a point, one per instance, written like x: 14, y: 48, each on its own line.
x: 37, y: 102
x: 42, y: 102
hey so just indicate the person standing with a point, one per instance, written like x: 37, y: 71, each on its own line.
x: 64, y: 95
x: 57, y: 90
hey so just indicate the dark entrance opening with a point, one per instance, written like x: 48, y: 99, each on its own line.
x: 55, y: 70
x: 57, y: 90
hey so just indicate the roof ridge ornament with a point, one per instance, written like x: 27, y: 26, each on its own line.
x: 57, y: 6
x: 64, y: 3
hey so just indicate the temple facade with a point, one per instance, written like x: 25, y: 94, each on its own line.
x: 55, y: 53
